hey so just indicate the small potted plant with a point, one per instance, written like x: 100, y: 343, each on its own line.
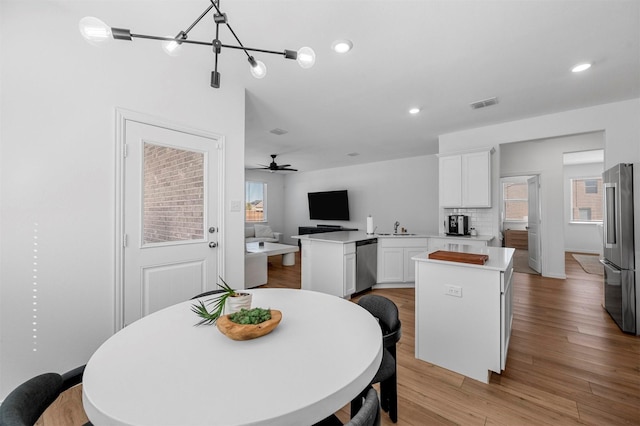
x: 234, y: 299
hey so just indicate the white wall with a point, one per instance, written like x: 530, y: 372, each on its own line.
x: 57, y: 141
x: 580, y: 237
x: 275, y: 196
x: 403, y: 190
x: 621, y: 127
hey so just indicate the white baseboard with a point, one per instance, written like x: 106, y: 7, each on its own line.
x: 394, y: 285
x: 581, y: 250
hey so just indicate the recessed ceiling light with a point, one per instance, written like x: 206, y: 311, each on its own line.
x: 342, y: 46
x: 414, y: 110
x: 581, y: 67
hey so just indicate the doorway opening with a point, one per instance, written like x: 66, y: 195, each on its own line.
x: 520, y: 231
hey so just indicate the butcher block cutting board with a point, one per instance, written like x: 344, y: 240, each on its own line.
x: 454, y: 256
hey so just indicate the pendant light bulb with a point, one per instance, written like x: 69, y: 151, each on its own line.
x: 171, y: 48
x: 306, y: 57
x: 95, y: 31
x: 258, y: 68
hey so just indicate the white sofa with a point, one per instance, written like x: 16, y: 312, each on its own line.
x: 257, y: 232
x: 255, y: 269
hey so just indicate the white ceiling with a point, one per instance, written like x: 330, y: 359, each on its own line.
x: 437, y: 55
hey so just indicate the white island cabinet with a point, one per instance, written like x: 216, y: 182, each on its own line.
x: 464, y: 311
x: 329, y: 262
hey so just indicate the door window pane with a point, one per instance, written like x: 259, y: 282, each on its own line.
x: 516, y: 201
x: 173, y: 195
x: 586, y: 200
x: 255, y: 202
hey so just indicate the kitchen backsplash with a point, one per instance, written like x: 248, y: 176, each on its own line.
x: 481, y: 219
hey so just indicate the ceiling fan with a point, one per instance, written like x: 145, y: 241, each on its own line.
x: 273, y: 167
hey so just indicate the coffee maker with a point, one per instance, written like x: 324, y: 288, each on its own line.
x: 457, y: 224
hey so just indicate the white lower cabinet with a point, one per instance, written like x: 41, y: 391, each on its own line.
x: 390, y: 264
x: 506, y: 312
x: 394, y: 258
x: 329, y: 267
x: 409, y: 264
x: 349, y: 270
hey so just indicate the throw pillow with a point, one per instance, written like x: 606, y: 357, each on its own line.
x: 263, y: 231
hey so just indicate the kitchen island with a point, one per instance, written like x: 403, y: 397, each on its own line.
x: 464, y: 310
x: 329, y: 261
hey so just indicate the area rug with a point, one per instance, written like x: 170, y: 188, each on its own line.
x: 590, y: 263
x: 521, y: 262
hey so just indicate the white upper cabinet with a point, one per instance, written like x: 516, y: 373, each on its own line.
x: 465, y: 179
x: 451, y: 181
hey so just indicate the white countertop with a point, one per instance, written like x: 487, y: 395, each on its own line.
x: 339, y: 237
x: 499, y: 257
x: 343, y: 237
x: 463, y: 237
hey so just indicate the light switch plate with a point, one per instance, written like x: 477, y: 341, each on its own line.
x: 236, y: 205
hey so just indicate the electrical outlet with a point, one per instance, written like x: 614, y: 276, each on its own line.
x: 453, y: 290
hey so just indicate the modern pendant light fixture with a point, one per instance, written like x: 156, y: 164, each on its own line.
x: 98, y: 33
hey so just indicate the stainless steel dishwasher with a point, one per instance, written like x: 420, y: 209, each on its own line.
x: 366, y: 263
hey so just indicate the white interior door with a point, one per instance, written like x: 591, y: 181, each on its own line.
x: 170, y: 223
x: 533, y: 227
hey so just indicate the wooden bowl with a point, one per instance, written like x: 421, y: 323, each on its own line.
x: 248, y: 331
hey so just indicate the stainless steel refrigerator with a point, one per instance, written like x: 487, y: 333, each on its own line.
x: 619, y: 262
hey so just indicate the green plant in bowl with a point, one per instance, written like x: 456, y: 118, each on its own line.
x: 251, y: 316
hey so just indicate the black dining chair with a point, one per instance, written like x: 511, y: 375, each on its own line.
x: 26, y: 403
x: 387, y: 315
x: 367, y: 415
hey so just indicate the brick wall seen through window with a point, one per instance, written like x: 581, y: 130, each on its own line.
x: 173, y: 194
x: 586, y: 200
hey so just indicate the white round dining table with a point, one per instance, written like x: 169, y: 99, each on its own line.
x: 165, y: 370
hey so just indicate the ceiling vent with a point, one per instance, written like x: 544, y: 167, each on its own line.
x: 278, y: 132
x: 484, y: 103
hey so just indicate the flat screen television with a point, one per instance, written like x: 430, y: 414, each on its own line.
x: 329, y: 205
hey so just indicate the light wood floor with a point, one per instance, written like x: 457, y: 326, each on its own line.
x: 568, y: 362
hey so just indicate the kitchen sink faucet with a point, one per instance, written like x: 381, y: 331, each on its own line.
x: 395, y: 227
